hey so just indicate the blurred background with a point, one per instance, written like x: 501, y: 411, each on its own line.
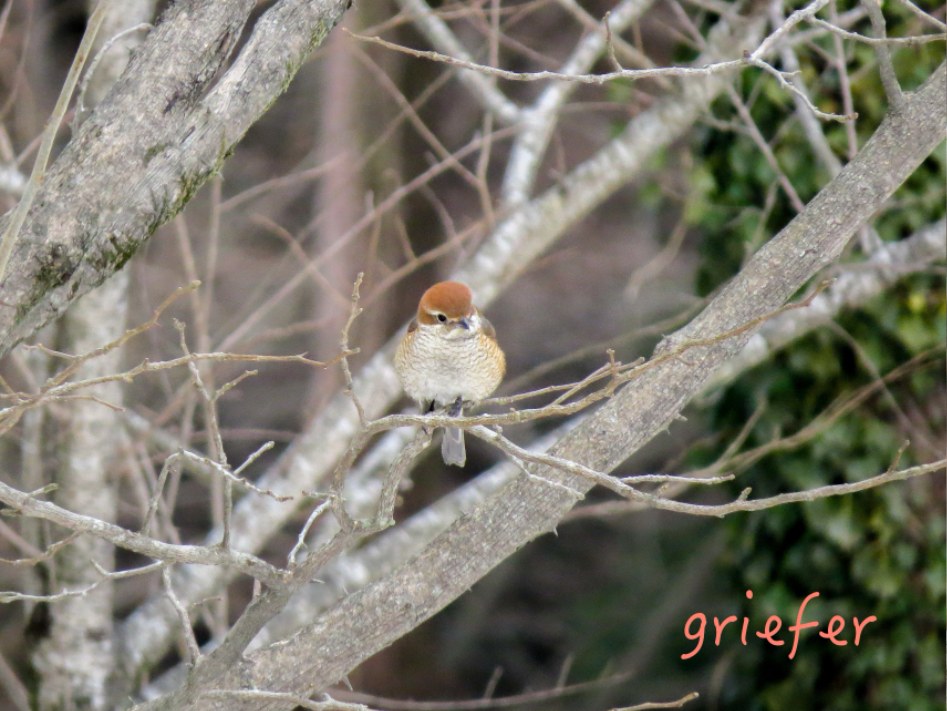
x: 379, y: 162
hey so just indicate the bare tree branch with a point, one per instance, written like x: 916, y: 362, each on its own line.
x: 12, y: 227
x: 888, y: 77
x: 852, y: 286
x: 440, y: 35
x: 29, y: 505
x: 75, y: 656
x: 516, y: 241
x: 535, y: 129
x: 165, y: 128
x: 366, y: 621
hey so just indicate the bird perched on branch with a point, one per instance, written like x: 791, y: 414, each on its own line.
x: 449, y: 358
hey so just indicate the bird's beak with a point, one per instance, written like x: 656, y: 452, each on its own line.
x: 464, y: 324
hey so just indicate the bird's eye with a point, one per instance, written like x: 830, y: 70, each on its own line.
x: 442, y: 318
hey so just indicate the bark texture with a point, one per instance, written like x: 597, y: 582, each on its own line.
x: 169, y: 123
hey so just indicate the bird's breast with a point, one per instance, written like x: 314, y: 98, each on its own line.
x: 433, y: 368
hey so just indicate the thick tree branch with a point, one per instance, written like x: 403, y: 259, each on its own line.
x: 528, y: 506
x: 74, y: 658
x: 154, y: 140
x: 518, y: 240
x: 441, y: 36
x: 853, y: 286
x: 535, y: 129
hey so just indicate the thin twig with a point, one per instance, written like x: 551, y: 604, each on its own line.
x: 911, y: 41
x: 36, y: 556
x: 130, y: 573
x: 810, y: 126
x: 742, y: 502
x: 440, y: 35
x: 262, y: 449
x: 28, y: 504
x: 384, y: 515
x: 80, y: 97
x: 750, y: 58
x: 210, y: 399
x: 666, y: 478
x: 354, y: 312
x: 781, y: 77
x: 212, y: 423
x: 49, y: 136
x: 926, y: 17
x: 7, y: 597
x: 489, y: 702
x: 842, y: 405
x: 304, y: 531
x: 660, y: 704
x: 757, y: 137
x: 169, y: 464
x: 192, y: 649
x: 885, y: 66
x: 285, y: 698
x: 207, y: 463
x: 545, y: 75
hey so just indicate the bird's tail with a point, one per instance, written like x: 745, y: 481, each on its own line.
x: 453, y: 450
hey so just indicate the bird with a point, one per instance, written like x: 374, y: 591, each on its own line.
x: 449, y: 358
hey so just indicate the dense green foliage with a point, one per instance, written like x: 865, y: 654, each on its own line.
x: 880, y: 552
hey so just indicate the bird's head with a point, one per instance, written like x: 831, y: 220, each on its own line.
x: 448, y: 306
